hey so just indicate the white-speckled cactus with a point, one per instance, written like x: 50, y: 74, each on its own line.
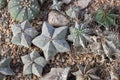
x: 21, y: 10
x: 2, y: 3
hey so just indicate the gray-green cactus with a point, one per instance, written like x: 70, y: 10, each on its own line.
x: 2, y: 3
x: 73, y: 12
x: 79, y: 35
x: 86, y: 73
x: 41, y: 1
x: 57, y: 5
x: 57, y: 74
x: 52, y: 40
x: 23, y: 34
x: 5, y: 68
x: 21, y: 10
x: 33, y: 64
x: 104, y: 46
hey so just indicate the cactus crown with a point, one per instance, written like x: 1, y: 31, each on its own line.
x: 21, y: 10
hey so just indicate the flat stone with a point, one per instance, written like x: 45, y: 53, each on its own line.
x: 57, y: 19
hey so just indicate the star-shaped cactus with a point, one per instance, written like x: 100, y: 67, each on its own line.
x: 33, y: 64
x: 86, y: 73
x: 79, y: 35
x: 5, y: 68
x: 57, y: 5
x: 22, y: 10
x: 23, y: 34
x: 73, y: 12
x: 52, y: 40
x: 57, y: 74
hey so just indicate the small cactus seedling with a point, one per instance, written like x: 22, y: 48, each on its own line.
x: 52, y: 40
x: 21, y: 10
x: 79, y: 35
x: 57, y: 74
x: 57, y: 5
x: 33, y: 64
x: 2, y: 3
x: 23, y: 34
x: 105, y: 18
x: 86, y: 73
x: 73, y: 12
x: 5, y: 68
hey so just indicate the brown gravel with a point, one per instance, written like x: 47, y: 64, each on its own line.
x: 60, y: 60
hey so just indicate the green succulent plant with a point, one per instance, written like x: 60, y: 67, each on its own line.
x: 23, y: 34
x: 21, y: 10
x: 52, y: 40
x: 41, y: 1
x: 105, y: 17
x: 33, y: 64
x: 79, y: 35
x: 5, y: 68
x: 105, y: 47
x: 86, y: 73
x: 73, y: 12
x: 57, y: 5
x: 2, y: 3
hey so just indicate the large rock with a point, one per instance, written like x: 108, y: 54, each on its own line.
x: 57, y: 19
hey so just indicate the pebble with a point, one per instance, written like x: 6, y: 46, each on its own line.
x: 7, y: 40
x: 82, y: 3
x: 57, y: 19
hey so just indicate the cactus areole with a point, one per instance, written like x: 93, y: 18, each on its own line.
x: 21, y: 10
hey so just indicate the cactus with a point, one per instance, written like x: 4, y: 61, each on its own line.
x: 41, y: 1
x: 23, y: 34
x: 79, y: 35
x: 57, y: 5
x: 21, y: 10
x: 57, y: 74
x: 104, y: 46
x: 52, y: 40
x: 5, y: 68
x: 2, y: 3
x: 86, y: 73
x: 33, y: 64
x: 73, y: 12
x: 105, y: 18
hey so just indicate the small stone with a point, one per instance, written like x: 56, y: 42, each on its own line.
x: 57, y: 19
x: 7, y: 40
x: 83, y: 3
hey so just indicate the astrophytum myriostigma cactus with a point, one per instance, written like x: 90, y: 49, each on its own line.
x: 21, y: 10
x: 5, y: 68
x: 2, y: 3
x: 52, y: 40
